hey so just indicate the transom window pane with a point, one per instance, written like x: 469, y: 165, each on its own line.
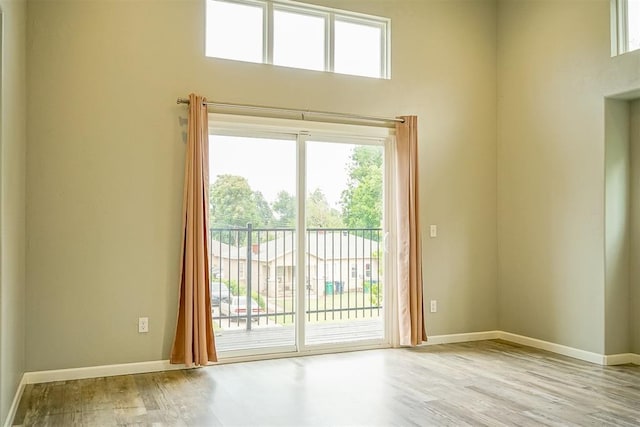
x: 298, y: 40
x: 358, y: 49
x: 234, y: 31
x: 633, y: 25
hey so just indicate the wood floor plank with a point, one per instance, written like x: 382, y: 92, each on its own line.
x: 485, y: 383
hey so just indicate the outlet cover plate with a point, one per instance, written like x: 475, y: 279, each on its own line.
x: 143, y: 325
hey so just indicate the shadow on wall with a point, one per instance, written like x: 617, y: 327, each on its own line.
x: 622, y: 232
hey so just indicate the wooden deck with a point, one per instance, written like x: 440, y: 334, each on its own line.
x: 267, y: 336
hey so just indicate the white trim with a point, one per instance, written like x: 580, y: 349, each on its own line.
x: 164, y: 365
x: 267, y: 34
x: 98, y: 371
x: 329, y: 42
x: 259, y: 353
x: 622, y: 26
x: 383, y: 25
x: 14, y: 405
x: 233, y: 124
x: 390, y: 290
x: 587, y: 356
x: 553, y: 347
x: 301, y: 239
x: 615, y: 28
x: 275, y: 7
x: 314, y: 7
x: 466, y: 337
x: 622, y: 359
x: 309, y: 351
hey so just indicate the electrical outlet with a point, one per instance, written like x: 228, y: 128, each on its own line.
x: 434, y: 306
x: 143, y: 324
x: 433, y: 231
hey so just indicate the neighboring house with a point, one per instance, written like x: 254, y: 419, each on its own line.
x: 352, y: 261
x: 227, y: 262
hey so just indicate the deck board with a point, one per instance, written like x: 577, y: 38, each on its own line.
x: 266, y: 336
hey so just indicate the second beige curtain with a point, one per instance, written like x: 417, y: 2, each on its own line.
x: 409, y: 268
x: 194, y: 343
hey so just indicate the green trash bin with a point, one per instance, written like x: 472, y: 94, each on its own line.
x: 366, y: 287
x: 328, y: 288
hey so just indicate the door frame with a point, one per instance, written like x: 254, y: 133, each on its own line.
x: 301, y: 132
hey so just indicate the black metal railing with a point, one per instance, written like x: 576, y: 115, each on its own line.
x: 253, y: 275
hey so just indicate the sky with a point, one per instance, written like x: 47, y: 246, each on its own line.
x: 633, y: 15
x: 270, y: 165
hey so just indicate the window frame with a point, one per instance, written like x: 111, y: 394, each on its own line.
x: 620, y: 28
x: 330, y: 15
x: 385, y: 59
x: 302, y: 132
x: 255, y: 3
x: 272, y: 8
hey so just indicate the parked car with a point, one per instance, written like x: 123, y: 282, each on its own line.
x: 219, y: 292
x: 237, y: 307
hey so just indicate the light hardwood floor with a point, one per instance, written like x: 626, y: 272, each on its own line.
x: 480, y: 383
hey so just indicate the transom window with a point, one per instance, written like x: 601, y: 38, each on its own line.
x: 625, y: 16
x: 298, y: 35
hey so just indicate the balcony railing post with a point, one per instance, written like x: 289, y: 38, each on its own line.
x: 249, y: 276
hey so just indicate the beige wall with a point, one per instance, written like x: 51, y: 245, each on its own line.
x: 554, y: 70
x: 634, y: 312
x: 12, y: 201
x: 617, y: 226
x: 104, y: 176
x: 105, y: 160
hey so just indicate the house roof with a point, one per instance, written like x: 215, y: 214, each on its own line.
x: 224, y: 250
x: 323, y: 244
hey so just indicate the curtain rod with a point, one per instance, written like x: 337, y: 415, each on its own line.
x: 295, y: 111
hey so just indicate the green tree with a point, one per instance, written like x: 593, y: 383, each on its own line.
x: 263, y: 210
x: 284, y: 209
x: 234, y: 204
x: 320, y: 214
x: 362, y: 200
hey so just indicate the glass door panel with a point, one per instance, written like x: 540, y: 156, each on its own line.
x: 253, y: 251
x: 344, y: 243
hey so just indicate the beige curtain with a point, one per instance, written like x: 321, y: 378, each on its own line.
x: 410, y: 304
x: 194, y: 343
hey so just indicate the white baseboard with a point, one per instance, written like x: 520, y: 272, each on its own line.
x: 14, y: 405
x: 164, y: 365
x: 466, y: 337
x: 554, y: 348
x: 98, y: 371
x: 600, y: 359
x: 622, y: 359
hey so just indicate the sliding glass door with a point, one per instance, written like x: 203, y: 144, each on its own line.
x: 271, y: 194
